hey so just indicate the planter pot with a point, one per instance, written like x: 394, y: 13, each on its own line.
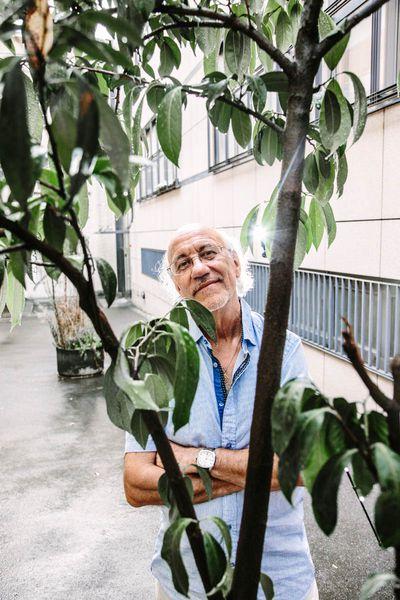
x: 74, y: 363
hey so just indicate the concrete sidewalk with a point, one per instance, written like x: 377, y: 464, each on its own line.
x: 66, y: 529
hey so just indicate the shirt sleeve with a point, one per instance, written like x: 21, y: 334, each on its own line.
x: 294, y: 362
x: 131, y: 445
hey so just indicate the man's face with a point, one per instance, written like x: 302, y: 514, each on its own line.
x: 213, y: 283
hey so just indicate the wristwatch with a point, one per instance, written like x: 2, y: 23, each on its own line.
x: 206, y: 459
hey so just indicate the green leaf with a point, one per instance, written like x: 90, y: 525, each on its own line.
x: 310, y: 425
x: 54, y: 228
x: 139, y: 429
x: 34, y: 112
x: 333, y: 56
x: 207, y: 39
x: 178, y: 315
x: 187, y: 367
x: 87, y: 144
x: 15, y: 299
x: 342, y: 172
x: 269, y: 145
x: 170, y: 552
x: 335, y: 118
x: 82, y: 206
x: 301, y: 245
x: 133, y: 334
x: 363, y: 478
x: 283, y: 31
x: 329, y: 222
x: 220, y: 115
x: 237, y: 52
x: 3, y: 293
x: 216, y: 559
x: 359, y: 108
x: 387, y: 464
x: 157, y: 389
x: 377, y: 428
x: 317, y: 220
x: 202, y: 317
x: 311, y: 174
x: 15, y: 143
x: 267, y: 586
x: 168, y: 59
x: 64, y: 131
x: 276, y: 81
x: 169, y: 124
x: 387, y: 518
x: 257, y: 86
x: 136, y: 390
x: 246, y: 233
x: 289, y: 467
x: 154, y: 94
x: 320, y: 455
x: 113, y: 140
x: 206, y: 479
x: 285, y: 413
x: 118, y: 25
x: 224, y: 529
x: 17, y: 266
x: 241, y: 127
x: 114, y: 398
x: 3, y: 270
x: 108, y: 280
x: 376, y: 582
x: 325, y: 490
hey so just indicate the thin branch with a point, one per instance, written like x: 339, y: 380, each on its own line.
x: 183, y: 25
x: 395, y: 368
x: 234, y: 23
x: 50, y: 187
x: 354, y: 355
x: 240, y: 106
x: 41, y: 264
x: 348, y: 24
x: 15, y: 248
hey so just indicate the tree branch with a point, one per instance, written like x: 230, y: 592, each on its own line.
x: 348, y: 24
x: 235, y: 24
x: 183, y: 25
x: 240, y: 106
x: 354, y: 355
x: 94, y: 312
x: 50, y: 187
x: 15, y: 248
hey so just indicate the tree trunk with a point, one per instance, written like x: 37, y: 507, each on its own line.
x: 256, y: 499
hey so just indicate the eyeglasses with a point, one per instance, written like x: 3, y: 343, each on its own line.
x: 205, y: 255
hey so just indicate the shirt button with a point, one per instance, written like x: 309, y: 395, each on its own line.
x: 215, y: 365
x: 220, y: 404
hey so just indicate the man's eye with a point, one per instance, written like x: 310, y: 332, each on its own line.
x: 182, y: 265
x: 208, y: 254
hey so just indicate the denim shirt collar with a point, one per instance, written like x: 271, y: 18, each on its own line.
x: 247, y: 326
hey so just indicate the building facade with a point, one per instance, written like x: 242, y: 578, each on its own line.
x: 217, y: 183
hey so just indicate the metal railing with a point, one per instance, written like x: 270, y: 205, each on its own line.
x: 319, y: 300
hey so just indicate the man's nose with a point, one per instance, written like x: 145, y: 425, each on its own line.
x: 199, y: 268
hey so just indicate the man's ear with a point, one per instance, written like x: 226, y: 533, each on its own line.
x: 236, y: 260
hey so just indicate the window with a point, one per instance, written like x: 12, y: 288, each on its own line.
x: 318, y: 302
x: 161, y: 175
x: 151, y: 261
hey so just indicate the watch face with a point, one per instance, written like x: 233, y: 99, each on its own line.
x: 206, y: 459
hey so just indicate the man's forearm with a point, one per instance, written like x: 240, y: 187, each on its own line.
x: 231, y: 465
x: 145, y: 491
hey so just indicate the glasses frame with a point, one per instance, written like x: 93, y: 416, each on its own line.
x: 220, y: 249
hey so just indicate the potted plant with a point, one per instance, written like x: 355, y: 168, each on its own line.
x: 79, y: 350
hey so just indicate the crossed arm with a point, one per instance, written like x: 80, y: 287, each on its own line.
x: 143, y: 470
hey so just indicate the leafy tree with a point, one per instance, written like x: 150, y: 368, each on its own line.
x: 58, y: 130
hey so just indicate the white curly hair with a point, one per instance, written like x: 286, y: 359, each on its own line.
x: 245, y: 280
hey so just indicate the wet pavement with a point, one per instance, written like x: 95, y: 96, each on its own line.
x: 66, y: 531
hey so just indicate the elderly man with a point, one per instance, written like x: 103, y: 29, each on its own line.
x: 203, y: 265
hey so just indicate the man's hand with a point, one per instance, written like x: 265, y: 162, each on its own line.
x: 185, y: 456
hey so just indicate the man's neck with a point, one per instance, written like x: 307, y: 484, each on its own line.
x: 228, y: 321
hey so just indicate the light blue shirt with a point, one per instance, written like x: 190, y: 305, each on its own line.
x: 286, y: 557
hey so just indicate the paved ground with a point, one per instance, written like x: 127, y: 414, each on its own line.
x: 66, y: 530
